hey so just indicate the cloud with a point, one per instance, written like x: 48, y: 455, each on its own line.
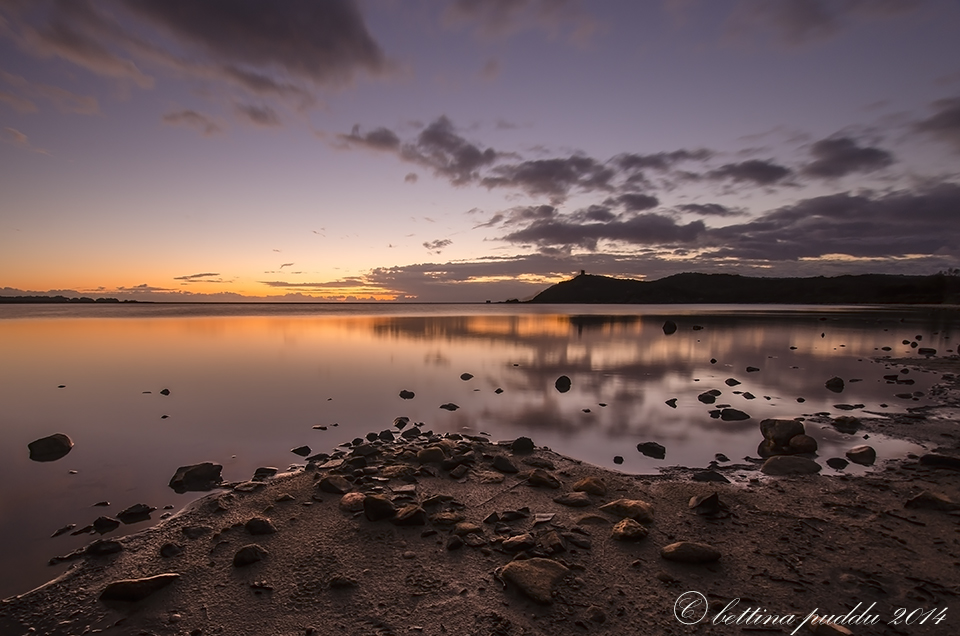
x: 798, y: 22
x: 258, y: 115
x: 207, y: 126
x: 377, y: 139
x: 196, y: 276
x: 490, y: 70
x: 839, y: 156
x: 440, y: 148
x: 287, y: 265
x: 62, y: 99
x: 755, y: 171
x: 16, y: 138
x: 502, y: 18
x: 568, y: 231
x: 554, y: 178
x: 709, y: 209
x: 635, y: 201
x: 437, y: 246
x: 944, y: 124
x: 411, y: 177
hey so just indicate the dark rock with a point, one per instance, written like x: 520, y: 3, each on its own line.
x: 65, y: 529
x: 498, y: 391
x: 940, y: 461
x: 710, y: 476
x: 749, y: 396
x: 400, y: 422
x: 466, y: 376
x: 264, y: 472
x: 652, y: 449
x: 563, y: 384
x: 248, y: 555
x: 377, y: 507
x: 706, y: 504
x: 164, y: 391
x: 103, y: 547
x: 669, y: 327
x: 574, y: 499
x: 135, y: 513
x: 454, y: 542
x: 752, y: 369
x: 522, y: 445
x: 302, y: 451
x: 927, y: 351
x: 733, y: 415
x: 459, y: 471
x: 133, y: 590
x: 709, y: 397
x: 340, y: 582
x: 932, y: 501
x: 195, y: 532
x: 411, y: 433
x: 260, y: 525
x: 617, y: 459
x: 782, y: 465
x: 50, y: 448
x: 535, y: 577
x: 431, y: 455
x: 802, y: 444
x: 846, y: 424
x: 863, y: 455
x: 672, y: 403
x: 690, y: 552
x: 504, y: 465
x: 407, y: 395
x: 410, y: 515
x: 837, y: 463
x: 731, y: 382
x: 386, y: 436
x: 449, y: 406
x: 834, y: 384
x: 196, y: 477
x: 780, y: 432
x: 335, y: 484
x: 104, y: 525
x: 169, y: 550
x: 720, y: 457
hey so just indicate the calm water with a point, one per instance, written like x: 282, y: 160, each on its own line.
x: 248, y: 382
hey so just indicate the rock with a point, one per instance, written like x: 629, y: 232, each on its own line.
x: 591, y: 520
x: 264, y: 472
x: 195, y: 532
x: 103, y: 547
x: 940, y: 461
x: 335, y: 484
x: 519, y: 543
x: 536, y: 577
x: 169, y: 550
x: 927, y: 351
x: 105, y: 524
x: 449, y: 406
x: 487, y: 477
x: 706, y: 504
x: 454, y: 542
x: 733, y: 415
x: 464, y: 528
x: 863, y: 455
x: 259, y: 525
x: 595, y: 614
x: 592, y: 485
x: 617, y: 459
x: 837, y: 463
x: 635, y: 509
x: 431, y: 455
x: 466, y: 376
x: 780, y: 432
x: 504, y: 465
x: 248, y: 555
x: 562, y: 384
x: 65, y: 529
x: 196, y: 477
x: 459, y: 471
x: 731, y: 382
x: 447, y: 518
x: 340, y: 582
x: 50, y: 448
x: 709, y: 397
x: 628, y: 530
x: 834, y: 384
x: 782, y: 465
x: 474, y: 540
x: 672, y: 403
x: 386, y: 436
x: 802, y: 444
x: 669, y: 327
x: 710, y: 476
x: 574, y: 499
x: 552, y: 542
x: 400, y: 422
x: 135, y: 513
x: 164, y: 391
x: 410, y: 515
x: 652, y: 449
x: 133, y: 590
x: 690, y: 552
x: 846, y: 424
x: 752, y: 369
x: 407, y: 395
x: 377, y: 507
x: 542, y: 479
x: 932, y: 501
x: 522, y: 446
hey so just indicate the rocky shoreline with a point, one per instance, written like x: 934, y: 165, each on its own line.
x: 409, y: 532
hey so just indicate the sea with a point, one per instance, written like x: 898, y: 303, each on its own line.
x: 142, y: 389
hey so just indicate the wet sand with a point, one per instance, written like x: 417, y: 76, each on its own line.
x: 491, y: 551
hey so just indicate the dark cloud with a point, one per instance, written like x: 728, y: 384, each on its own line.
x: 192, y: 118
x: 323, y: 42
x: 895, y: 225
x: 258, y: 115
x: 573, y: 231
x: 376, y: 139
x: 441, y: 148
x: 635, y: 201
x: 597, y: 213
x: 411, y: 177
x: 500, y: 18
x: 839, y: 156
x: 437, y: 246
x: 709, y: 209
x: 554, y: 178
x: 661, y: 161
x: 944, y: 124
x: 287, y: 265
x: 756, y: 171
x: 62, y: 99
x: 196, y: 276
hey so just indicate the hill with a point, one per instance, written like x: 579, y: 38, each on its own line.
x: 731, y: 288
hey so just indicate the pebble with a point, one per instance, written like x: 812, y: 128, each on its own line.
x: 652, y: 449
x: 863, y: 455
x: 50, y: 448
x: 522, y: 445
x: 628, y: 530
x: 562, y: 384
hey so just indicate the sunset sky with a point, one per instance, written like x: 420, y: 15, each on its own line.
x: 466, y: 150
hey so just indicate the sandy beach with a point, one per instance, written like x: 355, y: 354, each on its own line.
x: 452, y: 534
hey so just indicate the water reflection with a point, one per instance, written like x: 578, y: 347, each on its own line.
x: 247, y: 384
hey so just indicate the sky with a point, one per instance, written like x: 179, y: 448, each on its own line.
x: 470, y: 150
